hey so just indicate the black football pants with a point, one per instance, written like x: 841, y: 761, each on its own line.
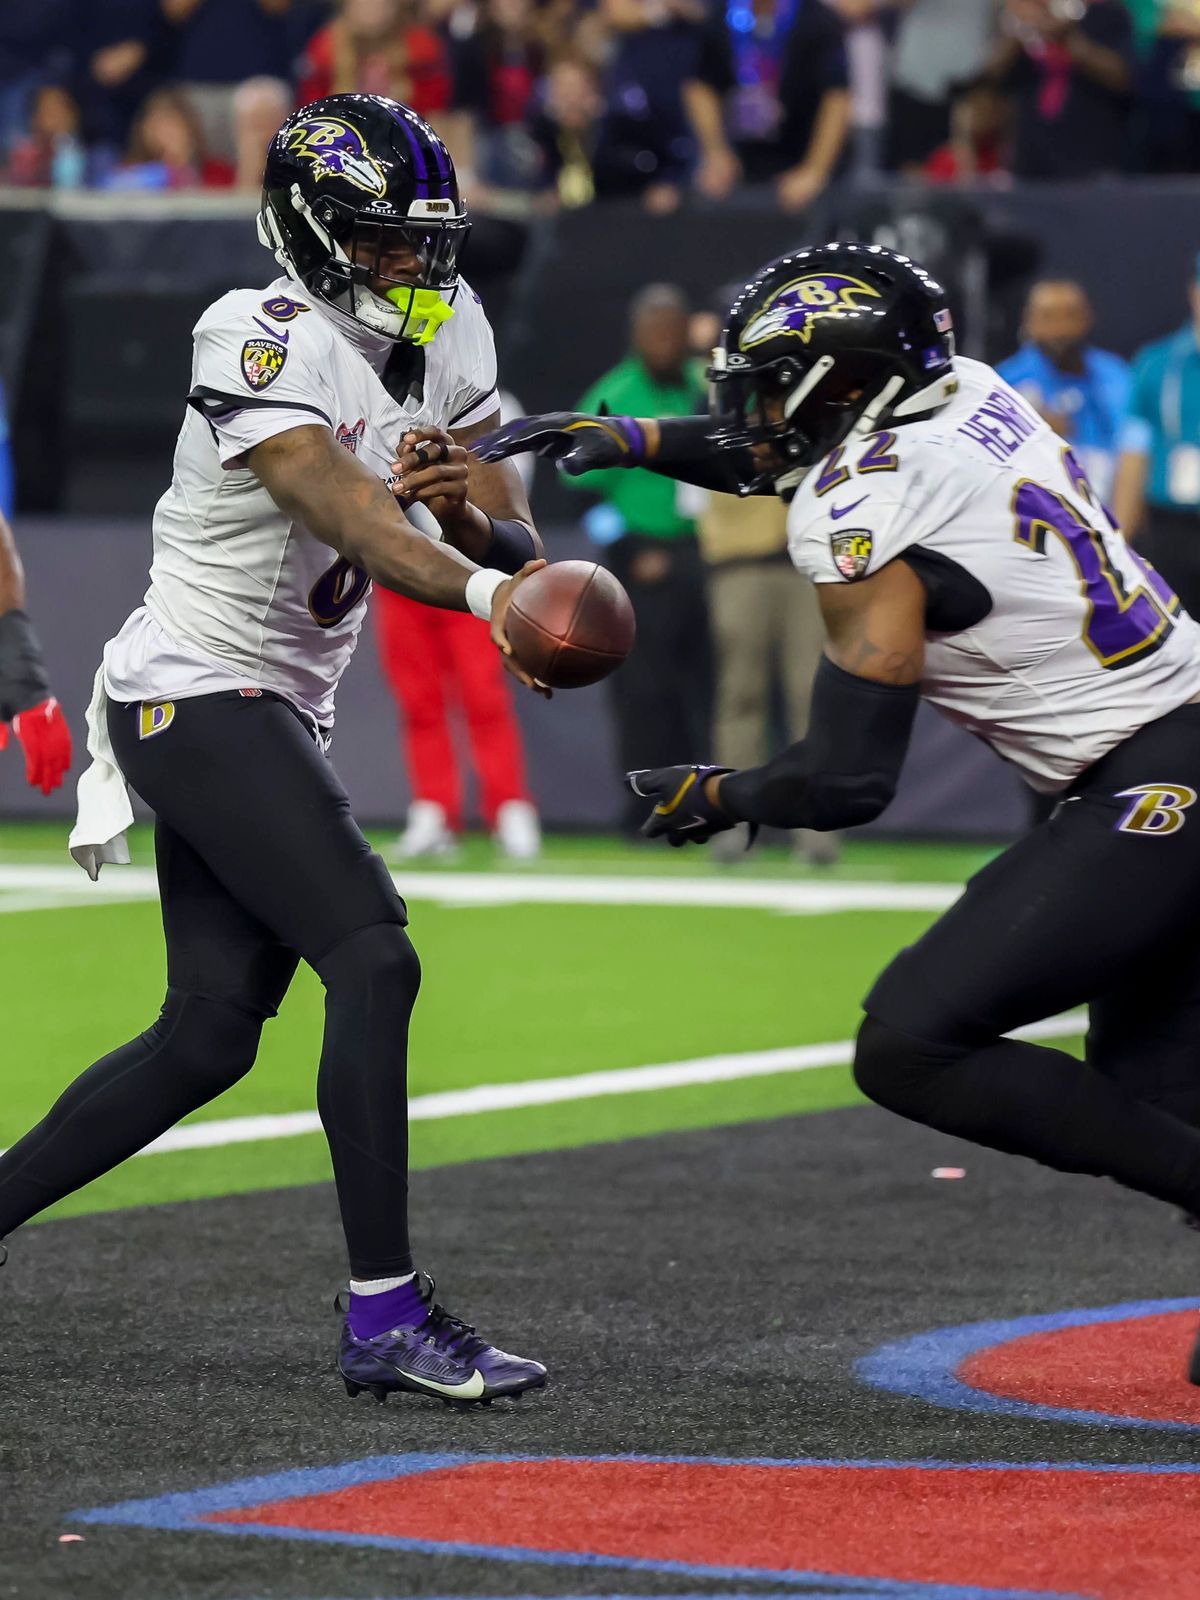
x: 260, y: 865
x: 1098, y: 905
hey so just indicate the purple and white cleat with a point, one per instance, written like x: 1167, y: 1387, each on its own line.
x: 439, y: 1356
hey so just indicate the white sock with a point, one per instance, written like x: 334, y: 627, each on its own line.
x: 378, y: 1285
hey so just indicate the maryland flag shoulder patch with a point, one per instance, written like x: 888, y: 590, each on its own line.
x: 262, y: 362
x: 851, y: 549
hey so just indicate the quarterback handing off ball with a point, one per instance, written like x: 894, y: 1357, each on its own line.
x: 570, y: 624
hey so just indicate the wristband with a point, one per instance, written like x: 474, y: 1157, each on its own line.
x: 481, y: 591
x: 511, y: 545
x: 23, y: 680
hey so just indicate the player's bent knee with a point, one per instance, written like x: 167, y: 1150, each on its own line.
x: 210, y: 1041
x: 895, y: 1070
x: 375, y: 962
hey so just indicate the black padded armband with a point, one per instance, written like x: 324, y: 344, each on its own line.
x: 23, y: 680
x: 845, y: 772
x: 511, y: 547
x: 687, y: 454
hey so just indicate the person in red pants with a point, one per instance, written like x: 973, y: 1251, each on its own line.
x: 437, y: 662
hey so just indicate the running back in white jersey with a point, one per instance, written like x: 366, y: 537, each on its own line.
x: 1082, y: 642
x: 240, y: 596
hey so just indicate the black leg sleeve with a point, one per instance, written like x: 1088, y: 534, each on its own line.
x: 371, y: 981
x: 1033, y: 1101
x: 197, y: 1048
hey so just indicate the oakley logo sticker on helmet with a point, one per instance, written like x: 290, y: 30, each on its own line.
x: 804, y: 301
x: 336, y: 150
x: 851, y: 549
x: 262, y: 362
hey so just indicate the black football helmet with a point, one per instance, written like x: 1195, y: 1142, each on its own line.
x: 353, y: 183
x: 823, y: 345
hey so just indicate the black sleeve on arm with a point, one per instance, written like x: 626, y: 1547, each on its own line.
x: 687, y: 453
x: 845, y: 772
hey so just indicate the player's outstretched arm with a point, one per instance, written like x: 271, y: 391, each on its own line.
x: 317, y: 483
x: 25, y: 698
x: 845, y: 772
x: 675, y: 447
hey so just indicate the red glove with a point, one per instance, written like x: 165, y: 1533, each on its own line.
x: 44, y: 736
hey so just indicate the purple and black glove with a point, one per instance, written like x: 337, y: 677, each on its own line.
x: 576, y: 441
x: 683, y: 813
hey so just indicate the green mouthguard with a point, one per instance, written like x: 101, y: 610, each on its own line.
x: 425, y: 310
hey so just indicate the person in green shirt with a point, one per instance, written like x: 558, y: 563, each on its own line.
x: 662, y: 697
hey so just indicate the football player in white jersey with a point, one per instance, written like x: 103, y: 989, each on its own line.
x: 360, y: 373
x: 962, y: 557
x: 26, y: 704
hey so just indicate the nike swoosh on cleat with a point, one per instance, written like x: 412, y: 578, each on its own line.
x: 844, y: 511
x: 471, y: 1390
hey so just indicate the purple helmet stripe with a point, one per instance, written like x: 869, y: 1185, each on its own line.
x: 419, y: 162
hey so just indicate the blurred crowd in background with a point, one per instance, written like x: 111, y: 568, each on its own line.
x: 558, y: 102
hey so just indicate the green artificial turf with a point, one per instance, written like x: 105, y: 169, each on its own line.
x: 510, y: 993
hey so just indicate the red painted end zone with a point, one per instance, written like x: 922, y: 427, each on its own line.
x: 1126, y: 1369
x: 1113, y: 1535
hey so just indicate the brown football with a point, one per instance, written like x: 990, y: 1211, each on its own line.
x: 570, y: 624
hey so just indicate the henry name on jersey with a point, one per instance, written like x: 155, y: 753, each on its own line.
x: 240, y: 596
x: 1048, y: 636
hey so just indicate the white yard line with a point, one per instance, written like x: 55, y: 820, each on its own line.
x: 66, y: 885
x: 553, y: 1091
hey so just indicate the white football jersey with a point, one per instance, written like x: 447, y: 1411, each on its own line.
x: 1048, y: 636
x: 240, y: 596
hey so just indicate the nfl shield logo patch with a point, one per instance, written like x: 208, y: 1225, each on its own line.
x: 262, y: 362
x: 851, y: 551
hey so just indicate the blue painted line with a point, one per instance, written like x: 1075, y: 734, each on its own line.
x: 924, y: 1366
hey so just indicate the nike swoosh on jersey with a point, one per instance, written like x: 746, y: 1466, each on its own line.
x: 834, y: 511
x: 282, y: 334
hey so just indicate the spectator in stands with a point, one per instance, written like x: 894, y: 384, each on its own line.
x: 564, y: 130
x: 121, y: 46
x: 645, y: 145
x: 977, y: 150
x: 497, y: 69
x: 938, y: 44
x: 1168, y: 37
x: 1081, y: 391
x: 166, y: 150
x: 52, y: 153
x: 1069, y: 67
x: 216, y: 45
x: 662, y: 695
x: 869, y: 27
x: 35, y: 46
x: 380, y: 47
x: 768, y: 99
x: 260, y: 106
x: 1157, y: 493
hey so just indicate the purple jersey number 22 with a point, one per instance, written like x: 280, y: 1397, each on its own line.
x: 1122, y: 623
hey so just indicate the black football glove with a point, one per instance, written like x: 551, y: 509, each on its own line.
x: 682, y: 813
x: 577, y: 442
